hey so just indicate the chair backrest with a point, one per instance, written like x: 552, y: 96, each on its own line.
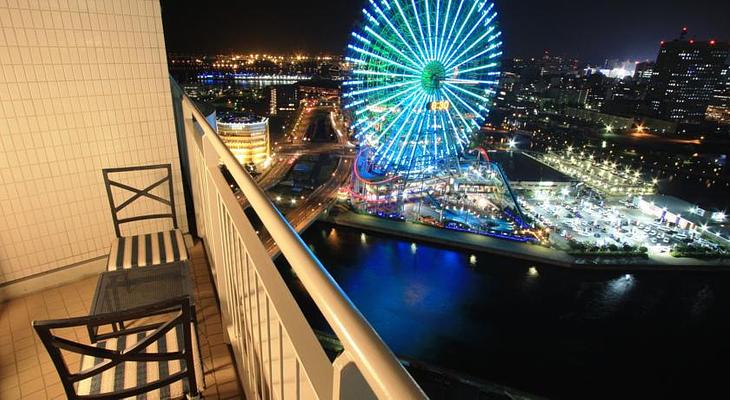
x: 178, y: 317
x: 138, y: 194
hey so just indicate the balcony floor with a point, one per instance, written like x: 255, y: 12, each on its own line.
x: 21, y: 352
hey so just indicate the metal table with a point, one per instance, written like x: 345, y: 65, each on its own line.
x: 138, y: 287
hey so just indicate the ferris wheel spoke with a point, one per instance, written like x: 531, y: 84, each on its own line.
x: 394, y: 139
x: 466, y: 51
x: 479, y: 68
x: 428, y: 27
x: 451, y: 31
x: 466, y: 125
x: 407, y: 112
x: 469, y: 81
x: 413, y: 98
x: 452, y: 58
x: 420, y: 28
x: 441, y: 35
x: 461, y: 28
x: 489, y: 49
x: 469, y: 92
x: 459, y: 134
x: 384, y: 115
x: 419, y: 133
x: 410, y: 30
x: 465, y: 104
x: 381, y: 58
x: 450, y: 55
x: 385, y: 100
x: 404, y: 146
x: 416, y: 63
x: 443, y: 133
x: 386, y: 74
x: 387, y: 20
x: 436, y: 29
x: 381, y: 118
x: 379, y: 88
x: 382, y: 153
x: 390, y: 111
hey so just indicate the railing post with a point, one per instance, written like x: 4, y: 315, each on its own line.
x: 194, y: 149
x: 214, y: 231
x: 347, y: 382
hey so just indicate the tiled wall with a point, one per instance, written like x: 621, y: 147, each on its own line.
x: 83, y: 86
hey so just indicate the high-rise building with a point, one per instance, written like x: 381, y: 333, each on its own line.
x: 272, y: 102
x: 247, y: 137
x: 685, y: 78
x: 644, y: 71
x: 722, y: 92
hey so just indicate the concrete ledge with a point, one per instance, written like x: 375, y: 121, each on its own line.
x: 453, y: 239
x: 527, y: 252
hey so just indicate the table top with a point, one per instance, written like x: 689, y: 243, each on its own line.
x: 137, y: 287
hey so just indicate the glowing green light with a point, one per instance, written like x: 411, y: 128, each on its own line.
x: 433, y: 74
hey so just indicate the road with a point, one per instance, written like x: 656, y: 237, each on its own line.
x: 308, y: 210
x: 311, y: 134
x: 300, y: 144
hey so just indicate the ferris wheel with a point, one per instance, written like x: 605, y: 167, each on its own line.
x: 424, y: 73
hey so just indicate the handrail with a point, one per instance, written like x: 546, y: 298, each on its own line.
x: 378, y: 365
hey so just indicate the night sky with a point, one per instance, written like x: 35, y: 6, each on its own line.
x: 591, y: 30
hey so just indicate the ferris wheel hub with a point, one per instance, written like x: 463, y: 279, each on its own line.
x: 432, y: 77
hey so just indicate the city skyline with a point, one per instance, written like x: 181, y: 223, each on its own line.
x: 616, y: 30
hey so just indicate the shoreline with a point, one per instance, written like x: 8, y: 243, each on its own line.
x: 522, y: 251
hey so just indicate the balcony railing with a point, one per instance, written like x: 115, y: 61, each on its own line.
x: 277, y: 352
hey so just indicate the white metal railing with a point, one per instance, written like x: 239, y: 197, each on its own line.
x: 277, y: 352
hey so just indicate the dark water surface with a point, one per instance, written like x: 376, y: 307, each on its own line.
x: 553, y: 332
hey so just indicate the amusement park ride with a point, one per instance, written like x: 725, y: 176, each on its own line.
x: 424, y: 73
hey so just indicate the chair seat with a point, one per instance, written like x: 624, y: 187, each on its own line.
x: 146, y: 250
x: 129, y: 374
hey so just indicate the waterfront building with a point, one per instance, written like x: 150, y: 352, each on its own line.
x: 247, y: 137
x: 685, y: 78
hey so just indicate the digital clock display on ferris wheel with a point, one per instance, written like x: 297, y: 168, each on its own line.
x: 424, y: 73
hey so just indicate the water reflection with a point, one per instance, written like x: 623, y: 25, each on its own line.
x: 555, y: 332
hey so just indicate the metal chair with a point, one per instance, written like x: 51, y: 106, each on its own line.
x: 160, y: 359
x: 145, y: 249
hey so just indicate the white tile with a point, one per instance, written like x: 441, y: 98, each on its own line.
x: 83, y: 85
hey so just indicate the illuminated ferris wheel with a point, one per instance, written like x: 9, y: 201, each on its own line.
x: 424, y: 74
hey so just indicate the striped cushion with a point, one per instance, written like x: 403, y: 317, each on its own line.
x: 145, y: 250
x: 132, y: 374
